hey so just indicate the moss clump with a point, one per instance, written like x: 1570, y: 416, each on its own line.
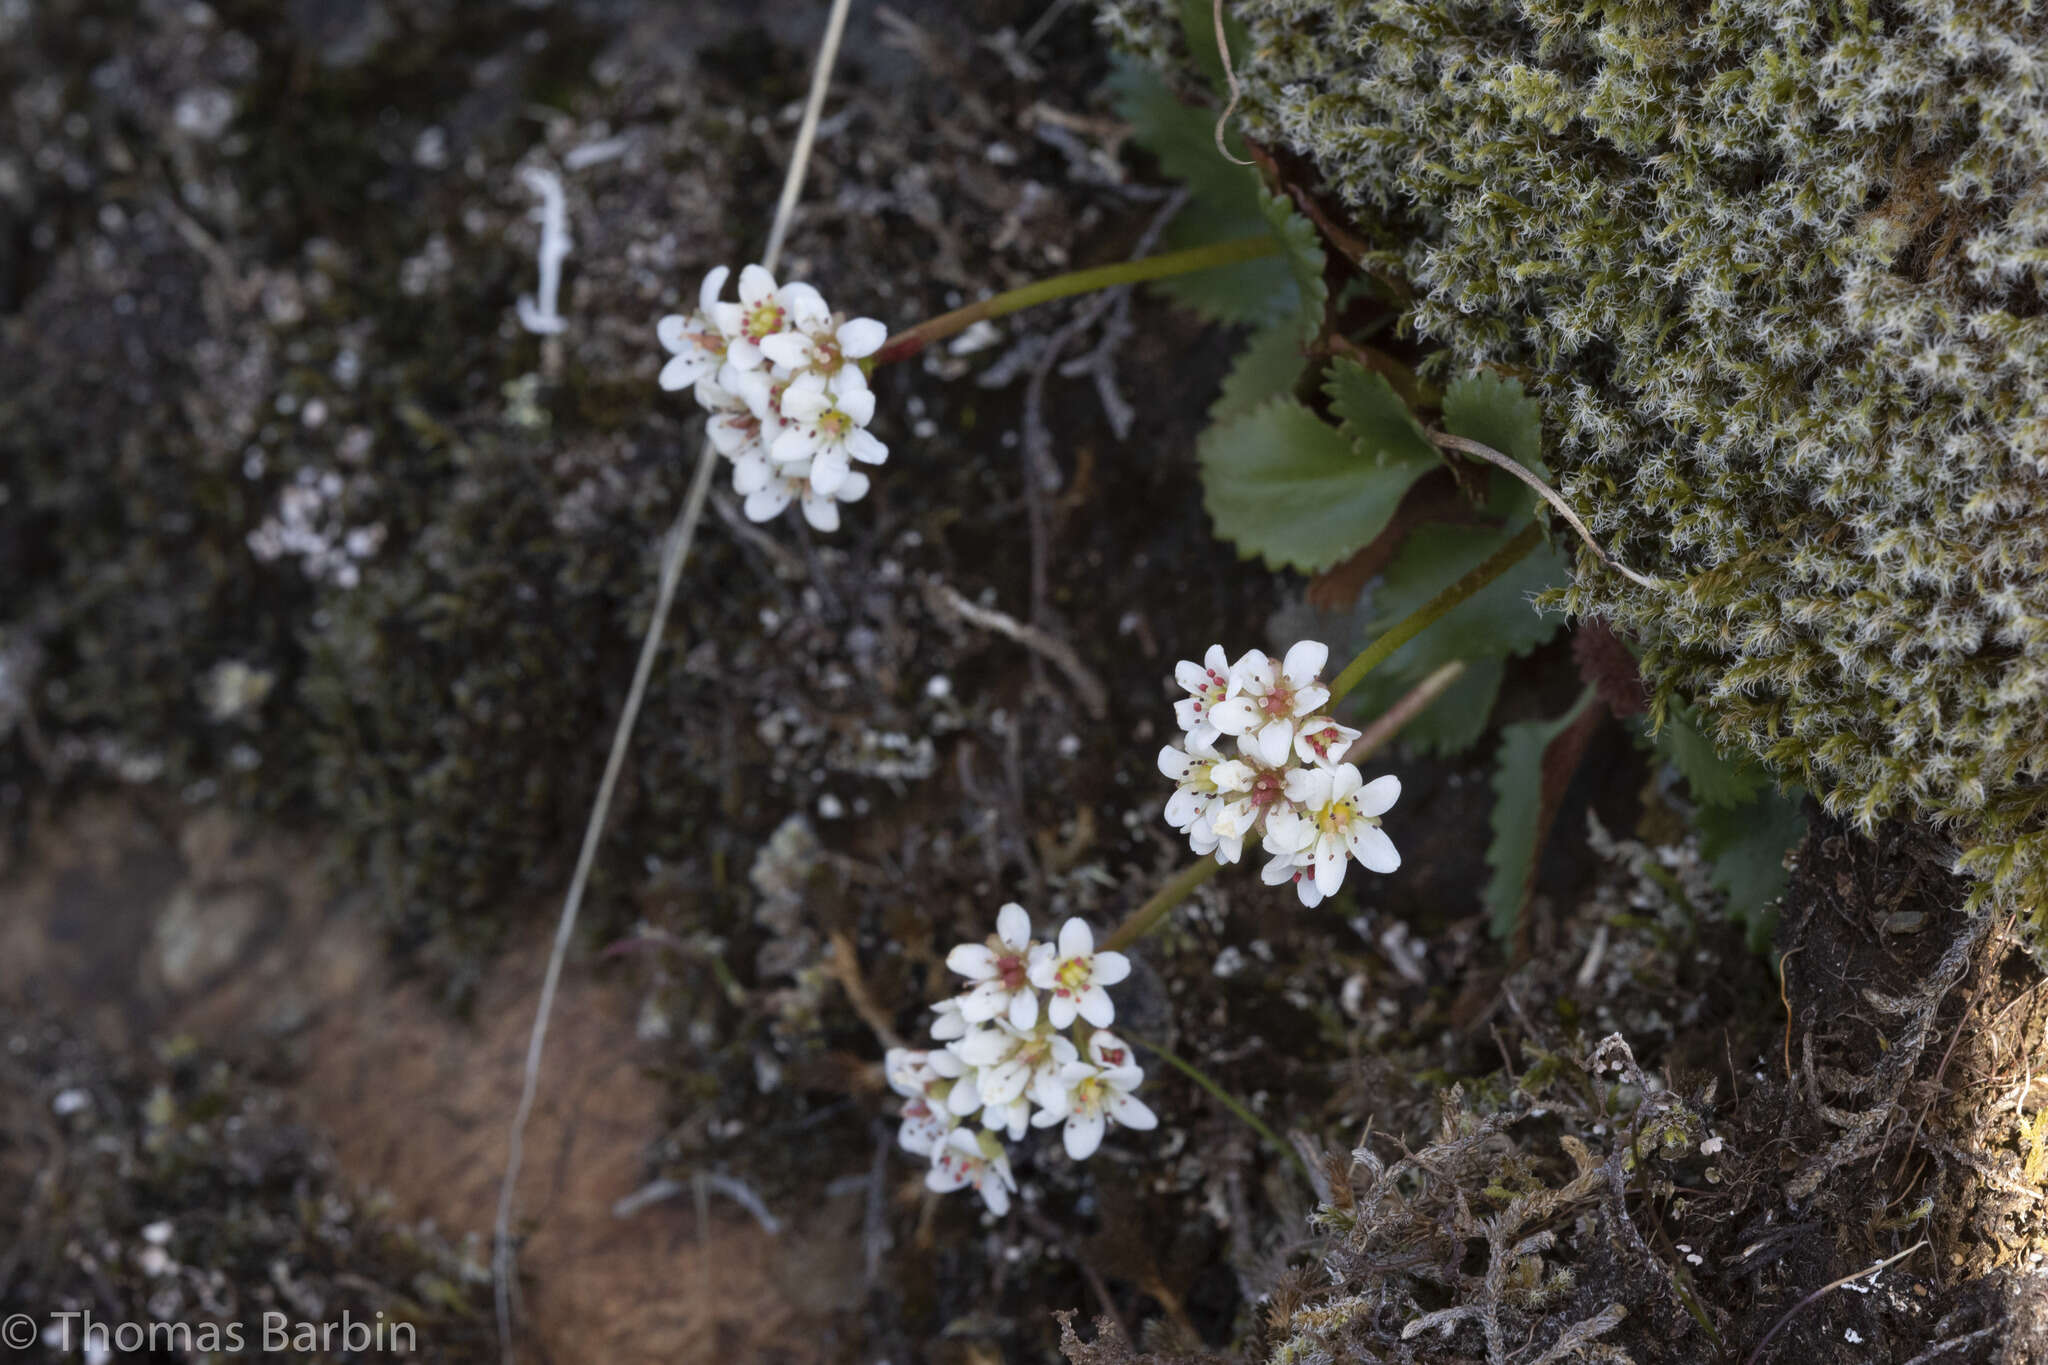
x: 1777, y: 271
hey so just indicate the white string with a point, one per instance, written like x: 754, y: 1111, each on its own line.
x: 675, y: 550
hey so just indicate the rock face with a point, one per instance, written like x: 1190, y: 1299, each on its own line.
x: 1778, y: 273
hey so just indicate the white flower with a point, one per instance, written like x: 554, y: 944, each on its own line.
x: 976, y: 1159
x: 1014, y: 1064
x: 768, y: 489
x: 698, y: 341
x: 818, y: 341
x: 763, y: 310
x: 1207, y: 684
x: 1337, y: 819
x: 1075, y: 974
x: 828, y: 426
x: 1267, y: 699
x: 1001, y: 971
x: 1199, y: 783
x: 1322, y: 741
x: 1097, y: 1092
x: 916, y: 1075
x: 733, y: 427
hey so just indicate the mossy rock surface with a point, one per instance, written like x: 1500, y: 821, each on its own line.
x: 1777, y: 271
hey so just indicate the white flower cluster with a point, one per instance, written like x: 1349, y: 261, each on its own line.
x: 780, y: 375
x: 309, y: 525
x: 1007, y: 1056
x: 1288, y: 781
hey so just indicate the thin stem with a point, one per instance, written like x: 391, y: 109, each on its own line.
x: 1224, y: 1098
x: 906, y: 344
x: 1426, y: 615
x: 1479, y: 449
x: 675, y: 552
x: 1146, y: 917
x: 1412, y: 704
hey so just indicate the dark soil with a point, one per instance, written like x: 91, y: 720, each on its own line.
x: 836, y: 777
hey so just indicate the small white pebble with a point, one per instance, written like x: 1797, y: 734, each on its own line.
x: 830, y: 807
x: 70, y: 1102
x: 1850, y: 1335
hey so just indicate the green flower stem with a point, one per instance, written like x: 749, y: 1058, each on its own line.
x: 1224, y: 1098
x: 1146, y: 917
x: 906, y: 344
x: 1426, y: 615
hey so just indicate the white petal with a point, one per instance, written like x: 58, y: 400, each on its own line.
x: 1216, y: 661
x: 1083, y: 1134
x: 806, y: 306
x: 1374, y: 849
x: 1232, y: 775
x: 1276, y: 740
x: 1280, y: 870
x: 1110, y: 968
x: 756, y: 285
x: 975, y: 961
x: 1189, y: 675
x: 1132, y: 1112
x: 1182, y: 808
x: 1097, y: 1008
x: 1013, y: 926
x: 1234, y: 716
x: 805, y: 399
x: 857, y: 403
x: 1311, y: 894
x: 1076, y: 939
x: 764, y: 504
x: 792, y: 445
x: 828, y: 472
x: 673, y: 332
x: 1310, y: 699
x: 788, y: 348
x: 1344, y: 780
x: 863, y: 445
x: 1304, y: 662
x: 1253, y: 668
x: 860, y: 337
x: 682, y: 371
x: 1061, y: 1009
x: 944, y: 1179
x: 984, y: 1047
x: 995, y: 1196
x: 1173, y: 763
x: 984, y: 1002
x: 1049, y: 1114
x: 742, y: 354
x: 750, y: 475
x: 713, y: 286
x: 964, y: 1098
x: 1330, y: 864
x: 1024, y: 1010
x: 1379, y: 795
x: 1002, y: 1084
x: 1309, y: 787
x: 854, y: 489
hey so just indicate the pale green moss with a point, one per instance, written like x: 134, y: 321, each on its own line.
x: 1778, y: 272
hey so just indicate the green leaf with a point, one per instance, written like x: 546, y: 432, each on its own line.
x: 1198, y: 24
x: 1375, y: 419
x: 1225, y: 202
x: 1533, y: 768
x: 1304, y: 257
x: 1494, y: 411
x: 1747, y: 845
x: 1269, y: 366
x: 1454, y: 721
x: 1714, y: 780
x: 1485, y: 407
x: 1287, y: 487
